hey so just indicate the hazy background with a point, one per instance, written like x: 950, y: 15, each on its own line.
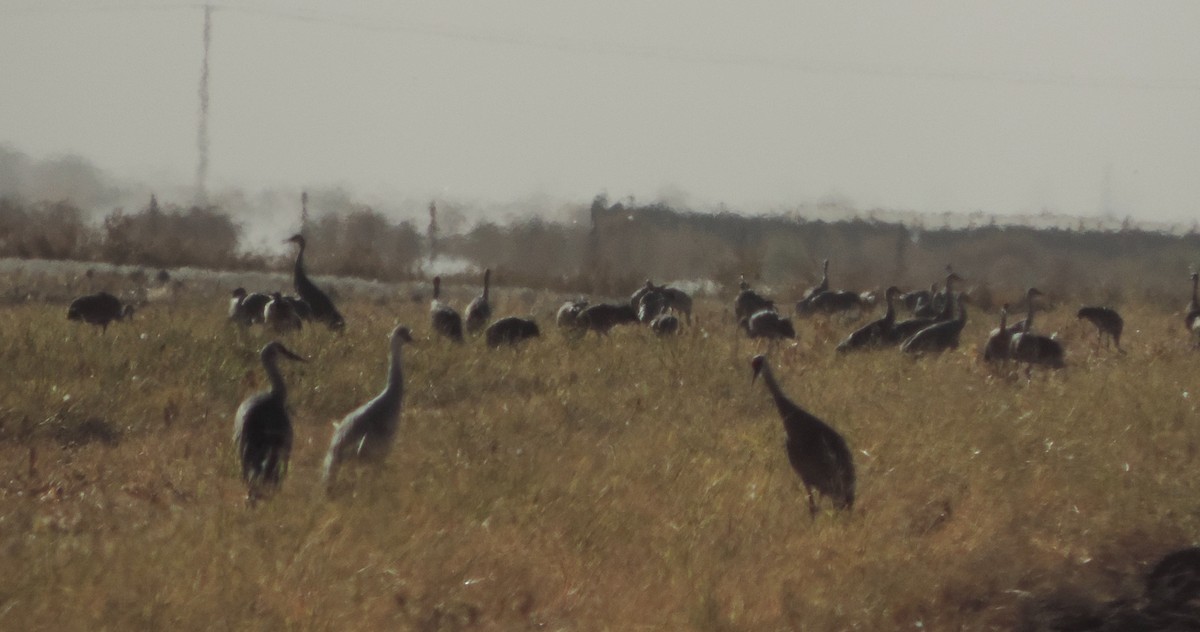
x: 1086, y: 108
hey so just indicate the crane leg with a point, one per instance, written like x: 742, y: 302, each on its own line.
x: 812, y: 503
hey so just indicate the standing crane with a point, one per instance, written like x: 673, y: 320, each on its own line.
x: 1032, y: 348
x: 262, y: 430
x: 817, y: 452
x: 369, y: 431
x: 479, y: 310
x: 100, y: 309
x: 941, y: 336
x: 996, y: 348
x: 322, y: 307
x: 446, y: 321
x: 876, y: 333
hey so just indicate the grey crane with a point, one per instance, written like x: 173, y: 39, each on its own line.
x: 1032, y: 348
x: 749, y: 302
x: 322, y: 307
x: 567, y: 316
x: 247, y: 309
x: 816, y: 451
x: 996, y: 348
x: 1107, y: 321
x: 876, y: 333
x: 100, y: 309
x: 262, y: 430
x: 941, y: 336
x: 768, y: 324
x: 665, y: 324
x: 279, y: 315
x: 905, y: 329
x: 446, y: 321
x: 511, y: 330
x: 479, y: 310
x: 602, y: 317
x: 368, y: 432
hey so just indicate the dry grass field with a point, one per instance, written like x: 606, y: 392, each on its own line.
x: 623, y: 483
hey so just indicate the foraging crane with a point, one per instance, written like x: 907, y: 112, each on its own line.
x: 368, y: 432
x: 817, y: 452
x: 322, y: 307
x: 100, y: 308
x: 247, y: 309
x: 941, y: 336
x: 768, y: 324
x: 665, y: 324
x: 446, y: 321
x: 479, y: 310
x: 279, y: 315
x: 748, y: 302
x: 650, y: 305
x: 604, y: 316
x: 1106, y: 320
x: 916, y: 299
x: 830, y: 302
x: 262, y: 430
x: 568, y: 314
x: 511, y: 330
x: 1032, y: 348
x: 876, y: 333
x: 996, y: 348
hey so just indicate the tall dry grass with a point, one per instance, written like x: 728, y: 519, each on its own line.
x: 620, y: 483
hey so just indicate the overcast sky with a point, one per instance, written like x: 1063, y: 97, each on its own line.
x: 1004, y: 107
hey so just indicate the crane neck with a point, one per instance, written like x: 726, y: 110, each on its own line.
x: 487, y: 281
x: 1028, y: 313
x: 271, y: 364
x: 299, y: 267
x: 782, y: 402
x: 1195, y: 287
x: 395, y: 379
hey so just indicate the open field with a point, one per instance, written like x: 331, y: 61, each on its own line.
x: 624, y: 483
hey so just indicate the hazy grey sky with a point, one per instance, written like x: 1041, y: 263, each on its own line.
x: 1001, y: 106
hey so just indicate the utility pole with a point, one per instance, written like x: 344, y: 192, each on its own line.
x: 202, y: 131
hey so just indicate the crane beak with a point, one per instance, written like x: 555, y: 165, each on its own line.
x: 288, y: 353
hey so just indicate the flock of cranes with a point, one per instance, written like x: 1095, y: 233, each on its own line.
x: 263, y: 434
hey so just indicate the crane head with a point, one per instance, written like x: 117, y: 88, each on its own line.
x: 757, y: 364
x: 401, y: 334
x: 295, y: 239
x: 239, y: 292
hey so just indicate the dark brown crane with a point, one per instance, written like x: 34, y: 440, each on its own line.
x: 322, y: 307
x: 262, y: 429
x: 510, y: 331
x: 817, y: 452
x: 446, y: 321
x: 479, y: 310
x: 877, y: 333
x: 1107, y: 321
x: 100, y: 309
x: 941, y: 336
x: 996, y: 348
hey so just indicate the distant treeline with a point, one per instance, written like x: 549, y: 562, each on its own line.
x: 623, y: 245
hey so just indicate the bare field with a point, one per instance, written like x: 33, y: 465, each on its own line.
x: 620, y: 483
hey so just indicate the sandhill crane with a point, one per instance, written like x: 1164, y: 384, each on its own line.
x: 322, y: 307
x: 568, y: 314
x: 678, y: 301
x: 635, y: 299
x: 367, y: 433
x: 768, y: 324
x: 996, y: 348
x: 247, y: 309
x: 1032, y: 348
x: 479, y: 310
x: 650, y: 305
x: 905, y: 329
x: 876, y: 333
x: 446, y: 321
x: 665, y: 324
x: 817, y: 452
x: 100, y: 308
x: 823, y: 286
x: 280, y: 316
x: 915, y: 299
x: 1106, y: 320
x: 511, y: 330
x: 1192, y: 317
x: 604, y: 316
x: 300, y: 306
x: 748, y: 302
x: 262, y: 430
x: 941, y: 336
x: 831, y: 302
